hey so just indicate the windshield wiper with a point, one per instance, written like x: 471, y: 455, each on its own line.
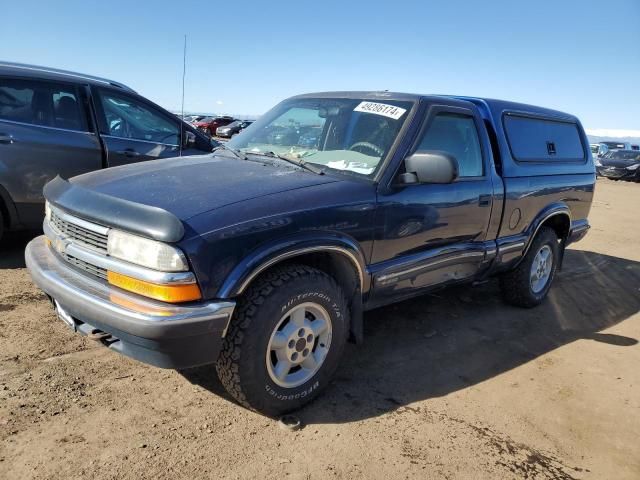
x: 236, y: 153
x: 298, y: 163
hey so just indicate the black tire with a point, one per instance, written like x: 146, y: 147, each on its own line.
x: 242, y: 364
x: 1, y: 225
x: 516, y: 284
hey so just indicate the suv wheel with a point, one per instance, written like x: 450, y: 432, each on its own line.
x: 528, y: 284
x: 285, y: 340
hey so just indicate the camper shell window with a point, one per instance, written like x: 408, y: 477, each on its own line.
x: 540, y: 139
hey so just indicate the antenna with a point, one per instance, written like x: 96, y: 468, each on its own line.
x: 184, y: 72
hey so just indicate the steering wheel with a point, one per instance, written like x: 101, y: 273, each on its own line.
x: 366, y: 145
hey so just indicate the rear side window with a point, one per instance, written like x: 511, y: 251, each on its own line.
x: 42, y: 103
x: 543, y: 140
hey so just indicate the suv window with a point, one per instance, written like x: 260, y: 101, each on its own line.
x: 41, y: 103
x: 456, y: 134
x: 126, y: 117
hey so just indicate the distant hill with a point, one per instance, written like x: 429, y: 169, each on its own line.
x: 597, y: 135
x: 598, y: 139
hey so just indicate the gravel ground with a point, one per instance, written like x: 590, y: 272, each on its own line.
x: 450, y: 385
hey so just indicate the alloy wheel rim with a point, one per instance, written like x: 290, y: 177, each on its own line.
x: 298, y: 345
x: 541, y: 269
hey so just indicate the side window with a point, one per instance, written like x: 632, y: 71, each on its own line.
x: 41, y: 103
x: 67, y: 109
x: 456, y: 134
x: 544, y: 140
x: 126, y: 117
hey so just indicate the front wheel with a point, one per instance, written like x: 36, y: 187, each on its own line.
x: 285, y: 340
x: 528, y: 284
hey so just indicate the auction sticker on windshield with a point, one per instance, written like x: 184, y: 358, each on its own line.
x: 383, y: 109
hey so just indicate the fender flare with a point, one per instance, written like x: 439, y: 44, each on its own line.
x: 271, y: 254
x: 544, y: 215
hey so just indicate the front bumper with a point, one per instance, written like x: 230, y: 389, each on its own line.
x: 161, y: 334
x: 618, y: 173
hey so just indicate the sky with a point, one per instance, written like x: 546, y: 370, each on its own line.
x: 578, y: 56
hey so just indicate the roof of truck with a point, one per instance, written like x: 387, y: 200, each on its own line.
x: 493, y: 105
x: 46, y: 73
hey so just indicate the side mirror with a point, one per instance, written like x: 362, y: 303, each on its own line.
x: 189, y: 139
x: 431, y: 166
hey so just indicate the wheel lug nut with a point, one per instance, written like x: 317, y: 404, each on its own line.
x: 301, y: 332
x: 294, y: 357
x: 305, y: 352
x: 309, y: 338
x: 292, y: 343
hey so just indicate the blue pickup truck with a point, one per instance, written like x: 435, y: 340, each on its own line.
x: 263, y: 256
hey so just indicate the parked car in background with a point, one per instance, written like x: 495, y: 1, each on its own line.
x: 54, y: 122
x: 193, y: 119
x: 598, y: 149
x: 263, y: 256
x: 619, y: 145
x: 209, y: 125
x: 234, y: 127
x: 620, y: 165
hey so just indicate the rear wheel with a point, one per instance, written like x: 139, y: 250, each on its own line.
x: 528, y: 284
x: 285, y: 340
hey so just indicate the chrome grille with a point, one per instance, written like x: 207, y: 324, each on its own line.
x: 78, y: 234
x: 87, y: 267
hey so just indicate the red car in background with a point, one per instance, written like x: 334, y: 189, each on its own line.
x: 210, y: 124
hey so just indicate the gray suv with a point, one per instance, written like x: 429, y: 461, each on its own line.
x: 54, y: 122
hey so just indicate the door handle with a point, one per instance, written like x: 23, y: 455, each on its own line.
x: 5, y: 138
x: 129, y: 152
x: 484, y: 200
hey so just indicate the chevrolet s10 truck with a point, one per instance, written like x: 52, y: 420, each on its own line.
x: 263, y: 256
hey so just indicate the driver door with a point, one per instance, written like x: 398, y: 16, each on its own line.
x: 432, y: 234
x: 134, y: 130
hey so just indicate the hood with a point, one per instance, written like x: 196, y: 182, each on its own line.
x: 188, y: 186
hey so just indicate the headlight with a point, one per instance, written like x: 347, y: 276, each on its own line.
x: 47, y: 211
x: 633, y: 167
x: 145, y: 252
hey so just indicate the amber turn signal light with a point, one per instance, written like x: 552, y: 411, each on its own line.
x: 165, y: 293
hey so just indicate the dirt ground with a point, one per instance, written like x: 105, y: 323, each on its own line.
x: 451, y: 385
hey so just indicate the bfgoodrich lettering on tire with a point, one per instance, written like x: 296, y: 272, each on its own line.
x: 285, y: 340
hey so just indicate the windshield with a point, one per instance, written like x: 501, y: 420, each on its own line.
x: 351, y: 135
x: 624, y: 155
